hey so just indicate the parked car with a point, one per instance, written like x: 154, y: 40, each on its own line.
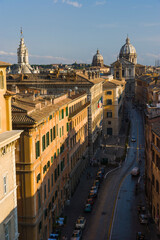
x: 140, y: 236
x: 95, y: 189
x: 54, y: 236
x: 88, y: 207
x: 60, y: 221
x: 80, y: 223
x: 92, y: 194
x: 90, y: 201
x: 133, y: 139
x: 143, y: 218
x: 135, y: 171
x: 77, y: 234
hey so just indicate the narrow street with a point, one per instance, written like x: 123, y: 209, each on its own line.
x: 114, y: 215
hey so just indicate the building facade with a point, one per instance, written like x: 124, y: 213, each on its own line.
x: 49, y: 154
x: 62, y: 81
x: 8, y: 138
x: 113, y: 99
x: 152, y: 161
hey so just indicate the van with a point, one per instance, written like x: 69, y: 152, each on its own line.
x: 135, y: 171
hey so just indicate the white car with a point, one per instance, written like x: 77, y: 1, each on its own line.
x: 81, y: 222
x: 77, y: 235
x: 135, y: 171
x: 143, y: 218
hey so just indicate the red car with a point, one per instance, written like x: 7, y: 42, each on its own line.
x: 90, y: 201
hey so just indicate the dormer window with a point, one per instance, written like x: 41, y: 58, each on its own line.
x: 1, y: 80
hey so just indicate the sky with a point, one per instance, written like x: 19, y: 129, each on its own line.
x: 65, y: 31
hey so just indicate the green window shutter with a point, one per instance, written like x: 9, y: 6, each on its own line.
x: 62, y: 113
x: 59, y: 115
x: 47, y: 139
x: 67, y: 127
x: 43, y: 143
x: 66, y: 111
x: 54, y: 155
x: 57, y: 152
x: 60, y: 132
x: 57, y: 129
x: 51, y: 134
x: 54, y: 132
x: 50, y: 117
x: 52, y: 159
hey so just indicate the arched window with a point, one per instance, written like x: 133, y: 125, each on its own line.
x: 1, y: 80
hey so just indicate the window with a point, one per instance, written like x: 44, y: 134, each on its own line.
x: 58, y: 169
x: 109, y: 92
x: 51, y: 134
x: 54, y: 155
x: 5, y: 184
x: 158, y: 143
x: 39, y: 199
x: 52, y: 159
x: 54, y: 132
x: 37, y: 149
x: 7, y: 236
x: 109, y: 101
x: 157, y: 186
x: 38, y: 177
x: 52, y: 179
x: 57, y: 129
x: 40, y: 226
x: 55, y: 175
x: 153, y: 155
x: 45, y: 191
x: 47, y: 139
x: 62, y: 113
x: 48, y: 185
x: 66, y: 111
x: 109, y: 114
x: 62, y: 130
x: 67, y: 127
x: 44, y: 169
x: 109, y: 122
x: 48, y: 164
x: 153, y: 179
x: 50, y: 117
x: 57, y: 151
x: 43, y: 143
x: 153, y: 138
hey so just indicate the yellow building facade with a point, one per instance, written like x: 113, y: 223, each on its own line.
x: 44, y: 172
x: 113, y: 98
x: 8, y: 138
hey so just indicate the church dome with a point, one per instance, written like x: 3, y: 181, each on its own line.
x: 97, y: 59
x: 128, y: 51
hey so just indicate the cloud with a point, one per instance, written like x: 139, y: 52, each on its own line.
x: 7, y: 53
x: 72, y: 3
x: 100, y: 3
x: 153, y: 55
x: 51, y: 58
